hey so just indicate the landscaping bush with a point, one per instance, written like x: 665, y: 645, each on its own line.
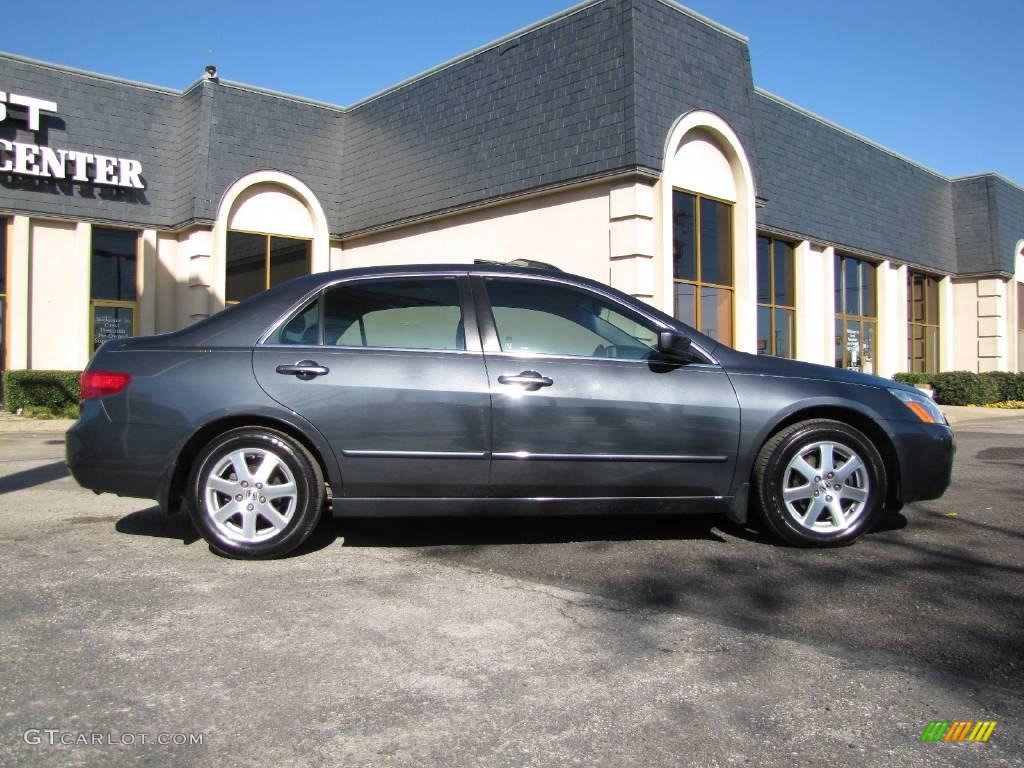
x: 42, y: 392
x: 914, y: 378
x: 1009, y: 385
x: 965, y: 388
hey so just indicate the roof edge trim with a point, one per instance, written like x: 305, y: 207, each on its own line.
x: 93, y: 75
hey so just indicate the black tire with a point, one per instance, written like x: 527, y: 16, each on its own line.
x: 834, y: 525
x: 278, y: 525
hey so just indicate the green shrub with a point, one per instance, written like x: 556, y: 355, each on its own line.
x: 55, y: 392
x: 1009, y: 385
x: 965, y: 388
x: 914, y: 378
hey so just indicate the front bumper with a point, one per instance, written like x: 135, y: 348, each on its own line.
x: 925, y: 454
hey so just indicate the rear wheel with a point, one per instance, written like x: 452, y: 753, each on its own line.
x: 821, y: 483
x: 255, y: 493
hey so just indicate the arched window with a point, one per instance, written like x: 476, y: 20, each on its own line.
x: 270, y: 228
x: 708, y: 200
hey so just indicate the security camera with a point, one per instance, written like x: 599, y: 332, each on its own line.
x: 211, y: 72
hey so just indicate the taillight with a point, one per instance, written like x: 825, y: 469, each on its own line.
x: 102, y: 383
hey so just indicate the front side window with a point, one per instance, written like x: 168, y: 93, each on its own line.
x: 922, y: 323
x: 113, y: 309
x: 702, y: 252
x: 403, y: 313
x: 533, y: 317
x: 856, y: 314
x: 256, y: 262
x: 776, y: 298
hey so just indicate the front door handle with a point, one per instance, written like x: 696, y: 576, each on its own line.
x: 304, y: 370
x: 531, y: 379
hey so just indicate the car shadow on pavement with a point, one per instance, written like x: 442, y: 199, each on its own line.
x: 152, y: 521
x: 533, y: 529
x: 29, y: 478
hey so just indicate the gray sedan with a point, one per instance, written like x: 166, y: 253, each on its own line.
x: 488, y: 390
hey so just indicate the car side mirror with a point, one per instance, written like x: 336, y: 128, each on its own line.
x: 672, y: 344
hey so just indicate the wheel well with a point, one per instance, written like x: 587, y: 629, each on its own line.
x: 859, y: 421
x: 183, y: 465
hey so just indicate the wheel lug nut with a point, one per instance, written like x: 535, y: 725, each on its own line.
x: 817, y: 493
x: 250, y: 507
x: 828, y: 498
x: 263, y: 499
x: 238, y: 497
x: 259, y: 485
x: 838, y: 487
x: 817, y: 479
x: 245, y: 484
x: 829, y: 475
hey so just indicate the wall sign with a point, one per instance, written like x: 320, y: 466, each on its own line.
x: 48, y: 163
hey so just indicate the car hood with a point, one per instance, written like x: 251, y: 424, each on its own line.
x: 763, y: 365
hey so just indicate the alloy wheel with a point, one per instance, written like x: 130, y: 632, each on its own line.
x: 251, y: 495
x: 825, y: 487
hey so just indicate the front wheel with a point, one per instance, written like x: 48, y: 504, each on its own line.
x: 821, y: 483
x: 255, y: 493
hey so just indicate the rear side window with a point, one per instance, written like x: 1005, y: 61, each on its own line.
x: 303, y: 328
x: 405, y: 313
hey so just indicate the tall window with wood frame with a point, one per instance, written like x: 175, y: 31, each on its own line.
x: 922, y: 323
x: 256, y: 262
x: 776, y: 298
x: 702, y: 252
x: 856, y: 314
x: 3, y: 303
x: 114, y: 306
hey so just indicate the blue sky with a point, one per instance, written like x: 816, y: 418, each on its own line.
x: 939, y: 81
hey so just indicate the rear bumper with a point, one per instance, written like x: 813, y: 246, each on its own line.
x: 925, y: 454
x: 128, y: 460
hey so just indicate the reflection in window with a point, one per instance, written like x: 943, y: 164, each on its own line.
x: 855, y: 314
x: 542, y: 318
x: 776, y: 298
x: 256, y: 262
x: 405, y: 313
x: 922, y: 323
x: 702, y: 251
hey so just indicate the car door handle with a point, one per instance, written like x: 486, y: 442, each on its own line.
x: 305, y: 370
x: 531, y: 379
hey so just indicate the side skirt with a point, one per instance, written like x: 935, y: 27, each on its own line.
x: 444, y: 507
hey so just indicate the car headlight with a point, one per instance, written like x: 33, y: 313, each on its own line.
x: 921, y: 405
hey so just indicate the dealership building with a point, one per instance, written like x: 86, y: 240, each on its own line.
x: 623, y: 140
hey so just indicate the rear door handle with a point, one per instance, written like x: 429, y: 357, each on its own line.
x: 305, y: 370
x: 531, y: 379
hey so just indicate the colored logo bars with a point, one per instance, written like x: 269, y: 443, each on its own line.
x: 958, y: 730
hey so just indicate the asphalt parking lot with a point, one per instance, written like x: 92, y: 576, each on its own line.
x: 575, y: 641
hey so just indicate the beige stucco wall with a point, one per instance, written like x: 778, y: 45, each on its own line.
x: 569, y: 229
x: 59, y: 300
x: 982, y: 324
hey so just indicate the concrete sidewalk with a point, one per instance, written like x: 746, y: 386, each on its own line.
x: 960, y: 414
x: 11, y: 423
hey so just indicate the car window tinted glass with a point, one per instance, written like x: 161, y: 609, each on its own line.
x: 407, y: 313
x: 303, y: 328
x: 541, y: 318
